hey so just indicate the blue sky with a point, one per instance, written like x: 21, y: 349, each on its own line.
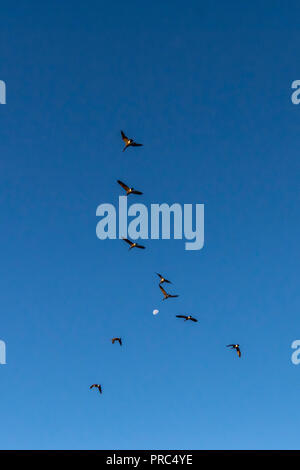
x: 206, y: 87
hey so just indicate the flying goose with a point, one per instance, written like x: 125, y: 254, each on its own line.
x: 166, y: 295
x: 163, y: 279
x: 127, y: 189
x: 97, y: 386
x: 117, y: 339
x: 133, y: 245
x: 129, y: 142
x: 187, y: 317
x: 236, y: 347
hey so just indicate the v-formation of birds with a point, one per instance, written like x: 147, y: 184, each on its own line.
x: 130, y: 190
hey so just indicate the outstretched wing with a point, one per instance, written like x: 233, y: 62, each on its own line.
x: 134, y: 144
x: 136, y: 192
x: 174, y: 296
x: 163, y: 290
x: 140, y: 246
x: 127, y: 241
x: 181, y: 316
x: 159, y: 275
x: 230, y: 345
x: 124, y: 137
x: 124, y: 186
x: 193, y: 319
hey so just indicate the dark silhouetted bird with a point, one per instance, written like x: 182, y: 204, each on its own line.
x: 166, y: 295
x: 187, y: 317
x: 133, y: 245
x: 163, y: 279
x: 97, y: 386
x: 127, y: 189
x: 116, y: 339
x: 236, y: 347
x: 129, y: 142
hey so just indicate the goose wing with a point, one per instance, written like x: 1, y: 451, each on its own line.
x: 140, y: 246
x: 124, y: 137
x: 163, y: 290
x: 124, y: 186
x: 136, y: 192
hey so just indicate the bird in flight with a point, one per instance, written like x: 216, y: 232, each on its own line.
x: 166, y: 295
x: 163, y: 279
x: 116, y: 339
x: 187, y: 317
x: 236, y: 347
x: 129, y: 142
x: 133, y: 245
x: 127, y: 189
x: 97, y: 386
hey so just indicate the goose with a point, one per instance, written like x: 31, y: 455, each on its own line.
x: 133, y: 245
x: 97, y: 386
x: 163, y: 279
x: 187, y: 317
x: 236, y: 347
x: 128, y: 189
x: 129, y: 142
x: 166, y: 295
x: 116, y: 339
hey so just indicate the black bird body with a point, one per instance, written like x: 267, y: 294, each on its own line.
x: 187, y: 317
x: 117, y: 339
x: 236, y: 347
x: 133, y: 244
x: 166, y: 295
x: 129, y: 142
x: 97, y: 386
x: 128, y: 189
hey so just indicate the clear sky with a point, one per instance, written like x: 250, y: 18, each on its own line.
x: 206, y: 87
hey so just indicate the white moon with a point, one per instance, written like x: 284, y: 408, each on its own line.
x: 155, y: 312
